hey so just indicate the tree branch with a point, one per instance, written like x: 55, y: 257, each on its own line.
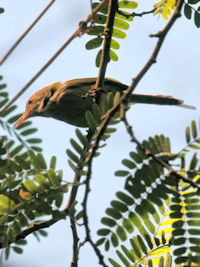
x: 105, y: 55
x: 25, y: 33
x: 133, y: 14
x: 82, y: 29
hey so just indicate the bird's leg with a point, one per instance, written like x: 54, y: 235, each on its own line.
x: 93, y: 92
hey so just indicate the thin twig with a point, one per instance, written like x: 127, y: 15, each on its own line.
x: 82, y: 29
x: 133, y: 14
x: 74, y: 262
x: 157, y: 159
x: 25, y: 33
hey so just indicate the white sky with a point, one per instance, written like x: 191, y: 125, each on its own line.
x: 176, y: 73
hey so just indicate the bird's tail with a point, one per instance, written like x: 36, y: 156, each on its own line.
x: 159, y: 100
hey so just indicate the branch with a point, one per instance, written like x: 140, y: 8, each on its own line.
x: 105, y: 55
x: 25, y: 33
x: 105, y: 58
x: 82, y: 29
x: 133, y: 14
x: 74, y: 262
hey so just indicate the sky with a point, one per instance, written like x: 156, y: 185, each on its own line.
x: 176, y: 73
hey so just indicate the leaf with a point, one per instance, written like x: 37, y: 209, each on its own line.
x: 53, y: 162
x: 114, y: 44
x: 98, y: 58
x: 121, y: 24
x: 42, y: 161
x: 114, y: 240
x: 113, y: 213
x: 187, y: 11
x: 197, y: 17
x: 91, y: 120
x: 125, y: 198
x: 94, y: 43
x: 41, y: 180
x: 96, y: 30
x: 123, y: 259
x: 29, y: 131
x: 72, y: 156
x: 104, y: 232
x: 188, y: 134
x: 194, y: 129
x: 107, y: 221
x: 6, y: 204
x: 127, y: 4
x: 17, y: 249
x: 34, y: 140
x: 118, y: 33
x: 114, y: 263
x: 31, y: 186
x: 53, y: 178
x: 81, y: 137
x: 129, y: 164
x: 100, y: 19
x: 128, y: 253
x: 121, y: 173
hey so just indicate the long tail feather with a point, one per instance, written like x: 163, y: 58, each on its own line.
x: 159, y: 100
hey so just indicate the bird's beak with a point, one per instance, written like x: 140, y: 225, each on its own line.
x: 24, y: 117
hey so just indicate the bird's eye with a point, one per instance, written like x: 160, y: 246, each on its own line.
x: 29, y: 102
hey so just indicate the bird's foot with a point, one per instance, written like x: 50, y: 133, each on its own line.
x: 92, y: 92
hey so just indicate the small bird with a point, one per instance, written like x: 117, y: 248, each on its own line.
x: 70, y: 100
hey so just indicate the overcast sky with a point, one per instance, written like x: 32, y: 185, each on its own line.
x: 176, y: 73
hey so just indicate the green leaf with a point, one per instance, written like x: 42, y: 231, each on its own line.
x: 100, y: 242
x: 194, y: 129
x: 107, y: 221
x: 187, y: 11
x: 114, y: 44
x: 197, y: 18
x: 17, y: 249
x: 128, y: 253
x: 193, y: 2
x: 96, y: 112
x: 31, y: 186
x: 72, y: 156
x: 29, y: 131
x: 123, y: 259
x: 33, y: 159
x: 91, y: 120
x: 6, y: 204
x: 94, y: 43
x: 99, y: 18
x: 14, y: 118
x: 16, y: 150
x: 107, y: 245
x: 127, y: 4
x: 119, y: 206
x: 104, y: 232
x: 42, y: 161
x: 121, y: 173
x: 128, y: 225
x: 118, y: 33
x: 125, y: 198
x: 121, y: 24
x: 53, y: 162
x: 113, y: 213
x: 113, y: 55
x: 129, y: 164
x: 1, y: 10
x: 53, y: 178
x: 98, y: 58
x: 96, y: 30
x: 34, y: 140
x: 134, y: 245
x: 41, y: 180
x: 81, y: 137
x: 114, y: 263
x: 188, y: 134
x: 114, y: 240
x: 8, y: 111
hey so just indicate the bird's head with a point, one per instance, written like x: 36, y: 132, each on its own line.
x: 37, y: 104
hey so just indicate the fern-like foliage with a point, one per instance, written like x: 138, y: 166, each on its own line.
x: 189, y: 10
x: 156, y: 215
x: 20, y: 139
x: 120, y: 25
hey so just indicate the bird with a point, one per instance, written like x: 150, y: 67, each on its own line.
x: 70, y: 100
